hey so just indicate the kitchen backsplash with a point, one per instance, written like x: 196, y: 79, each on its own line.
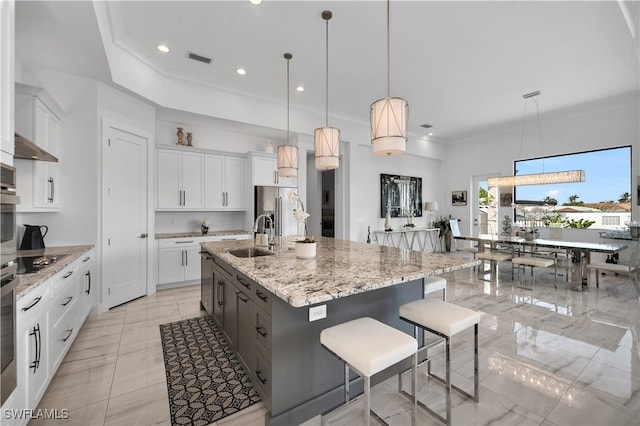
x: 190, y: 221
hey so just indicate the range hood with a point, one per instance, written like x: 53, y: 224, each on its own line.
x: 27, y: 150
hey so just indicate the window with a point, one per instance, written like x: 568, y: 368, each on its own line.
x: 604, y: 198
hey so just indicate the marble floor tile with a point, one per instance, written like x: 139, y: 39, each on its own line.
x: 126, y: 409
x: 137, y: 370
x: 138, y: 336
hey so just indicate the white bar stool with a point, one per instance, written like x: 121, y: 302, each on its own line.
x: 445, y: 320
x: 368, y: 346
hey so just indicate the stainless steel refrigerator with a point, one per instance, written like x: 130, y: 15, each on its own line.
x: 274, y: 201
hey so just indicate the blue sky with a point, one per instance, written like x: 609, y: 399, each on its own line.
x: 607, y: 176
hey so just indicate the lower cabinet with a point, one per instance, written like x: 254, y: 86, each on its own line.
x: 179, y: 260
x: 48, y: 319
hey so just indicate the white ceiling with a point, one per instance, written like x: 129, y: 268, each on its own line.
x: 462, y: 66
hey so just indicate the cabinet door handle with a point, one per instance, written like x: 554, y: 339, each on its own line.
x: 53, y: 190
x: 67, y: 300
x: 261, y: 331
x: 69, y: 333
x: 275, y: 176
x: 180, y: 197
x: 35, y: 302
x: 243, y: 282
x: 262, y: 379
x: 242, y: 297
x: 88, y: 275
x: 35, y: 364
x: 186, y: 258
x: 261, y: 295
x: 68, y: 274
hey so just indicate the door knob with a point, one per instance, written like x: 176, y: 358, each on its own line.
x: 143, y: 235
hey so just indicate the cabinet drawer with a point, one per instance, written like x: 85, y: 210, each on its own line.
x: 262, y: 298
x: 31, y: 303
x: 263, y: 331
x: 262, y: 378
x: 180, y: 242
x: 63, y: 299
x: 61, y: 337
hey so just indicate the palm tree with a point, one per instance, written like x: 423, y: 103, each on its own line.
x: 625, y: 198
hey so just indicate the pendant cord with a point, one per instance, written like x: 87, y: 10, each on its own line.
x: 288, y: 100
x: 388, y: 52
x: 326, y: 122
x: 535, y: 99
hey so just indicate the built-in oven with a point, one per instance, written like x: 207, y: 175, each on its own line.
x: 8, y: 276
x: 8, y: 376
x: 8, y: 203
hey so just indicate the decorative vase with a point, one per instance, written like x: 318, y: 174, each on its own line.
x: 204, y: 229
x: 387, y: 219
x: 179, y: 134
x: 305, y: 250
x: 189, y: 138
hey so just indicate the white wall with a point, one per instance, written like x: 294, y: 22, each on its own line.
x: 364, y: 188
x: 591, y: 127
x: 77, y: 223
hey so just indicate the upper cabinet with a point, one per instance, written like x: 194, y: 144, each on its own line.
x: 224, y: 187
x: 180, y: 180
x: 200, y: 180
x: 265, y: 171
x: 37, y: 118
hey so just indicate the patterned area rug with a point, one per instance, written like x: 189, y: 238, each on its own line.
x: 206, y: 381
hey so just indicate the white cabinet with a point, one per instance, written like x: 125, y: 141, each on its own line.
x: 48, y: 319
x: 37, y: 118
x: 86, y: 289
x: 224, y: 182
x: 179, y: 259
x: 180, y: 180
x: 265, y: 171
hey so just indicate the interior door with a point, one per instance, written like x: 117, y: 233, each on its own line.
x: 124, y: 216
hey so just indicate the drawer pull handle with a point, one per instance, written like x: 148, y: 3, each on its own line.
x: 262, y: 296
x: 68, y: 274
x: 261, y: 331
x: 69, y: 333
x: 68, y: 300
x: 243, y: 298
x: 86, y: 259
x: 35, y: 302
x: 184, y: 242
x: 262, y: 379
x: 244, y: 283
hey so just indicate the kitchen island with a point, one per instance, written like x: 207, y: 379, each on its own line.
x: 272, y: 309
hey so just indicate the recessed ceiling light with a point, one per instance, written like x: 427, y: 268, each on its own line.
x: 163, y: 48
x: 241, y: 71
x: 255, y: 2
x: 430, y: 134
x: 300, y: 89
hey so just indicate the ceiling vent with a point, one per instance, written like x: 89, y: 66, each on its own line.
x: 200, y: 58
x: 426, y: 126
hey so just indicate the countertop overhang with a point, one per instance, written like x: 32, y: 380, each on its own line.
x: 28, y: 282
x: 341, y: 268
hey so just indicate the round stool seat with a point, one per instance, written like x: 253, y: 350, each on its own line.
x: 368, y: 345
x: 443, y: 317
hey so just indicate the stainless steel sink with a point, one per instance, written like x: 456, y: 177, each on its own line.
x: 250, y: 252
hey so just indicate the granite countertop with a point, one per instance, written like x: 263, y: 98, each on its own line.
x: 27, y: 282
x: 341, y: 268
x: 194, y: 234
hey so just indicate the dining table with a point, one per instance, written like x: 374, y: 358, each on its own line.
x: 577, y: 251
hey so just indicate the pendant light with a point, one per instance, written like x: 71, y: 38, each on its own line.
x: 326, y: 140
x: 287, y: 154
x: 389, y: 117
x: 567, y: 176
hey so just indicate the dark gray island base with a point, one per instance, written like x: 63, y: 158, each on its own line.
x: 277, y: 343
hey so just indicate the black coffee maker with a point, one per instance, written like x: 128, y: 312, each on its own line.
x: 33, y: 237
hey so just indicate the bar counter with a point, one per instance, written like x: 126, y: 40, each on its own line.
x: 341, y: 268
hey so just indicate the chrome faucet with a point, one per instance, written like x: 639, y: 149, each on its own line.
x: 271, y: 234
